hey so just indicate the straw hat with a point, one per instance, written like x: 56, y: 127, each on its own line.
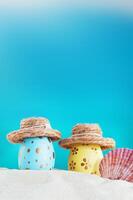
x: 33, y: 127
x: 87, y: 134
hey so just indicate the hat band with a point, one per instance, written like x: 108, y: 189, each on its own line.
x: 86, y: 134
x: 87, y: 131
x: 37, y: 126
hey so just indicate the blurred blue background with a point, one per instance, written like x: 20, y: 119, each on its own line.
x: 70, y: 66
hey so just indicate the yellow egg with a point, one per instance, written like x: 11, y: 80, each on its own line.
x: 85, y: 158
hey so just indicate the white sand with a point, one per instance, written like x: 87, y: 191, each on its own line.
x: 60, y: 185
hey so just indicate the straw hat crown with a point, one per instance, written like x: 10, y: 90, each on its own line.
x: 86, y: 129
x: 33, y: 122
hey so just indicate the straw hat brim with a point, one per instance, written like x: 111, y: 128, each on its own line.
x: 105, y: 143
x: 19, y: 135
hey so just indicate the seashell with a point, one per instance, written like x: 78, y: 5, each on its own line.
x: 118, y: 165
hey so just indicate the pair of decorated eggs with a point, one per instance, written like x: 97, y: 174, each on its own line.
x: 36, y: 137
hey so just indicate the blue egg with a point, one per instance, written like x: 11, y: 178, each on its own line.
x: 36, y: 154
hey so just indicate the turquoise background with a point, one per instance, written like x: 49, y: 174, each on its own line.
x: 71, y: 66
